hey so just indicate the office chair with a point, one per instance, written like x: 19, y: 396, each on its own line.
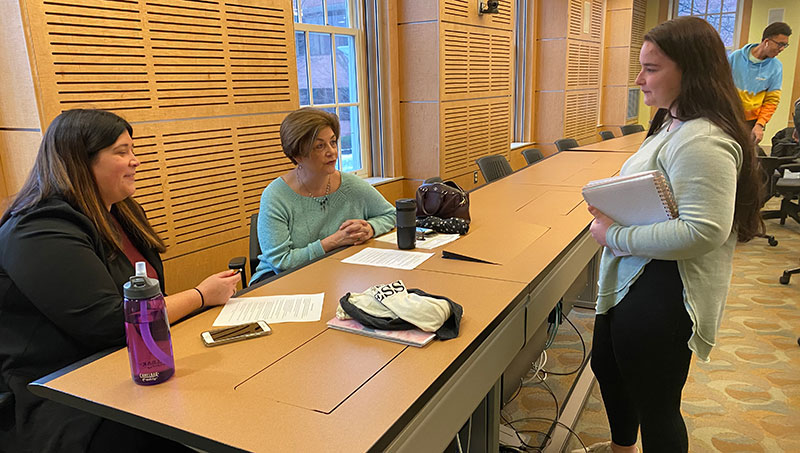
x: 564, y: 144
x: 631, y: 129
x: 769, y: 165
x: 241, y: 262
x: 606, y: 135
x: 532, y: 155
x: 494, y: 167
x: 433, y: 179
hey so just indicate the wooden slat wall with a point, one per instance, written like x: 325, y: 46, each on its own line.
x: 568, y: 70
x: 201, y: 180
x: 468, y: 133
x: 205, y: 84
x: 469, y: 97
x: 164, y: 60
x: 625, y: 29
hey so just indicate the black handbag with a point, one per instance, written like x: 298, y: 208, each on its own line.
x: 443, y: 200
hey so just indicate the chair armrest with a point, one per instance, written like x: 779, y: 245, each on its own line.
x: 239, y: 263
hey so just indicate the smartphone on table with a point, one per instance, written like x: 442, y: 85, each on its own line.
x: 235, y: 333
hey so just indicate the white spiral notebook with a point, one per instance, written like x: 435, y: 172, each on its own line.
x: 637, y: 199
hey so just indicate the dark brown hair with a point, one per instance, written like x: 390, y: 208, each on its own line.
x: 63, y: 168
x: 300, y: 128
x: 707, y: 91
x: 775, y: 29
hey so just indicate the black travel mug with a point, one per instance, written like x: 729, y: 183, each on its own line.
x: 406, y: 223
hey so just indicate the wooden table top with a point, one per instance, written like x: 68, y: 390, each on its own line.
x: 626, y: 144
x: 306, y: 387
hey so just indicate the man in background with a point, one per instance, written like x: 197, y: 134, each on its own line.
x: 758, y: 76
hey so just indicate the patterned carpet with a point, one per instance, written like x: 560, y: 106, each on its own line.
x: 747, y: 399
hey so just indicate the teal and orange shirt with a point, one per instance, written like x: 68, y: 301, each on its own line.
x: 758, y: 83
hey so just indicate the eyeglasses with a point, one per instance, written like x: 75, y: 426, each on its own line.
x: 781, y: 45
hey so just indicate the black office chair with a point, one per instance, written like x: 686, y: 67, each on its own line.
x: 606, y: 135
x: 769, y: 166
x: 240, y: 262
x: 494, y: 167
x: 631, y: 129
x: 532, y: 155
x: 564, y: 144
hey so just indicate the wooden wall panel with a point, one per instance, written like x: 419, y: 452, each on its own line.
x: 200, y: 181
x: 162, y: 60
x: 580, y: 114
x: 638, y: 30
x: 475, y: 62
x: 415, y: 52
x: 18, y: 102
x: 420, y: 138
x: 568, y: 69
x: 473, y: 129
x: 17, y: 152
x: 466, y: 12
x: 467, y: 113
x: 184, y: 272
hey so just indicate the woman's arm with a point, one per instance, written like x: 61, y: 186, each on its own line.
x: 703, y: 172
x: 52, y: 258
x: 379, y: 213
x: 214, y: 290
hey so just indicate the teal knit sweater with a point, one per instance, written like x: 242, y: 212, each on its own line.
x: 701, y: 163
x: 291, y: 226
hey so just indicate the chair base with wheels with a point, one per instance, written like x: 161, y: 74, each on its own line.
x: 787, y: 274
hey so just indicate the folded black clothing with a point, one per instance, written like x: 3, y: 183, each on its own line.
x: 452, y: 225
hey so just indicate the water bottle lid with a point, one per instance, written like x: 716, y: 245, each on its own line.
x: 141, y: 287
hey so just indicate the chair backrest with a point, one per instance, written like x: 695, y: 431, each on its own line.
x: 532, y: 155
x: 494, y: 167
x: 564, y: 144
x: 255, y: 247
x: 606, y: 135
x: 631, y: 129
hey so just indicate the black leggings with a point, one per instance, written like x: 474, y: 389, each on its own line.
x: 641, y: 360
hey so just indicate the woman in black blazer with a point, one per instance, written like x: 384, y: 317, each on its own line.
x: 68, y: 242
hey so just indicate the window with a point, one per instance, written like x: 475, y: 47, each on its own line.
x: 721, y: 14
x: 330, y: 72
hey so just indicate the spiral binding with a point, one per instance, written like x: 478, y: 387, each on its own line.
x: 667, y: 199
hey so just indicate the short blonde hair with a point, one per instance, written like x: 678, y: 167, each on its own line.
x: 300, y: 128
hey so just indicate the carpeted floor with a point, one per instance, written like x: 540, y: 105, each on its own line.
x: 746, y: 399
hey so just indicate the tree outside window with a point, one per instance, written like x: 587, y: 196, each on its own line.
x: 721, y: 14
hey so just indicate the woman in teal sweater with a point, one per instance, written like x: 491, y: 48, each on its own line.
x: 315, y: 208
x: 665, y: 301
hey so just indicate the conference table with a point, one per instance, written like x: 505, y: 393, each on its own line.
x: 624, y: 144
x: 309, y: 388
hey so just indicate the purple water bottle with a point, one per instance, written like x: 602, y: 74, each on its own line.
x: 147, y: 329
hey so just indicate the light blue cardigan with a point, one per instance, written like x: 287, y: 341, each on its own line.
x: 701, y: 163
x: 291, y: 226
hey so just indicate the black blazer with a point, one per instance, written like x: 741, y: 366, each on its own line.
x: 60, y: 301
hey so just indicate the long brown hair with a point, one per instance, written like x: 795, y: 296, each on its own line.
x: 63, y: 168
x: 708, y: 91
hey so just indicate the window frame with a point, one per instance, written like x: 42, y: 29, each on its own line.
x: 356, y: 8
x: 737, y: 26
